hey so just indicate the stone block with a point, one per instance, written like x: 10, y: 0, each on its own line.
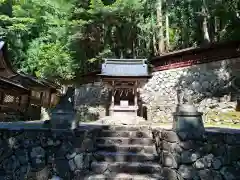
x: 10, y: 164
x: 205, y: 148
x: 208, y: 174
x: 72, y: 165
x: 87, y: 145
x: 38, y: 174
x: 215, y: 137
x: 62, y: 168
x: 186, y: 145
x: 219, y: 149
x: 207, y: 162
x: 95, y: 167
x: 170, y: 160
x: 232, y: 139
x: 171, y: 147
x: 22, y: 156
x: 170, y: 174
x: 61, y: 152
x: 79, y: 161
x: 63, y: 120
x: 169, y: 136
x: 233, y: 153
x: 187, y: 172
x: 217, y: 163
x: 188, y: 157
x: 230, y: 173
x: 186, y: 135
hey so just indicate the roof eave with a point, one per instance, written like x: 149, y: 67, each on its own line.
x: 9, y: 81
x: 124, y: 76
x: 196, y: 49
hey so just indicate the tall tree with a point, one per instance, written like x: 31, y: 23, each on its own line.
x: 159, y: 5
x: 60, y: 39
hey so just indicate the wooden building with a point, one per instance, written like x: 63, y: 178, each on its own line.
x: 123, y: 77
x: 197, y: 55
x: 31, y: 93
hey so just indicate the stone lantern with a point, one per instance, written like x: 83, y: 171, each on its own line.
x: 187, y: 118
x: 63, y: 115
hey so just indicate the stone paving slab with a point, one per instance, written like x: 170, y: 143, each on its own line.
x: 126, y: 133
x: 126, y: 140
x: 127, y: 157
x: 123, y: 176
x: 127, y: 148
x: 125, y: 167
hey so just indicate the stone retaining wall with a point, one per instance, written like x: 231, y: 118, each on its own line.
x: 43, y: 154
x: 90, y: 101
x: 207, y: 84
x: 212, y: 86
x: 185, y: 156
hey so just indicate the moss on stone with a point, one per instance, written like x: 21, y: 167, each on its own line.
x: 217, y: 117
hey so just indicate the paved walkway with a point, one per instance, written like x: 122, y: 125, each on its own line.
x: 39, y: 124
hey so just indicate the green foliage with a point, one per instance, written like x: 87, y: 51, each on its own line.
x: 49, y: 60
x: 63, y: 38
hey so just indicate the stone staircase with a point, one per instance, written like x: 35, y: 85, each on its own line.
x: 125, y: 153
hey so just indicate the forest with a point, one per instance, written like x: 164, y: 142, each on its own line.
x: 61, y: 39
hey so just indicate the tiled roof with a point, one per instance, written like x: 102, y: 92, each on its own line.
x: 124, y: 67
x: 13, y: 83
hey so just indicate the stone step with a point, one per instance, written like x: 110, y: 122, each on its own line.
x: 127, y: 148
x: 130, y: 134
x: 125, y: 167
x: 125, y: 157
x: 123, y: 176
x: 126, y: 140
x: 126, y: 128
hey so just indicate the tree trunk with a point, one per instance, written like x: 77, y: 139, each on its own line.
x: 206, y: 36
x: 153, y: 34
x: 205, y: 30
x: 160, y: 27
x: 167, y: 31
x: 216, y: 24
x: 185, y: 26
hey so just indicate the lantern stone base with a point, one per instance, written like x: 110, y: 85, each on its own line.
x: 63, y: 120
x: 188, y: 119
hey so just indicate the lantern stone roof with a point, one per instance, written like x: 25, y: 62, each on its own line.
x: 124, y: 68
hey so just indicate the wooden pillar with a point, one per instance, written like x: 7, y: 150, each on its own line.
x: 20, y: 100
x: 28, y: 105
x: 49, y: 98
x: 113, y: 89
x: 135, y: 94
x: 2, y: 95
x: 112, y: 96
x: 41, y: 98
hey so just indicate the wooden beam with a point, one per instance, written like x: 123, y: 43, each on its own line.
x: 124, y: 87
x: 122, y: 79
